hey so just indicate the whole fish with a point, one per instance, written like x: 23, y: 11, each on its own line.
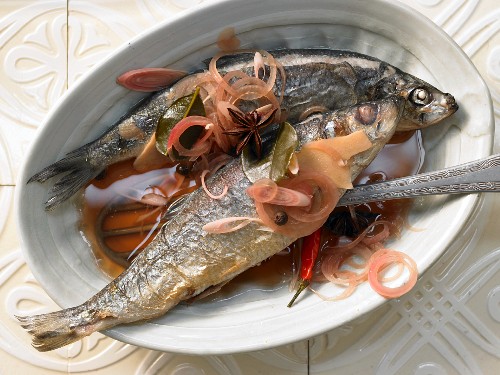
x: 314, y: 77
x: 183, y: 260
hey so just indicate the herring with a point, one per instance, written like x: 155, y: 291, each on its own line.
x: 183, y: 260
x: 314, y: 77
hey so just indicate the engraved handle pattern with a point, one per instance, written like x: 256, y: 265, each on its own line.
x: 474, y: 177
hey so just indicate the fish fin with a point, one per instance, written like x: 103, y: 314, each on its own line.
x: 80, y: 172
x: 54, y: 330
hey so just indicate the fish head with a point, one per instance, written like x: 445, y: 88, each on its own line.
x: 425, y: 105
x: 378, y: 119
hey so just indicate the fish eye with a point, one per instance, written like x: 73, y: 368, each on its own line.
x: 420, y: 96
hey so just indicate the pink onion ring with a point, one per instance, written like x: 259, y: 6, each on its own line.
x: 202, y: 146
x: 262, y: 190
x: 224, y: 225
x: 349, y: 289
x: 324, y: 200
x: 380, y: 260
x: 221, y: 195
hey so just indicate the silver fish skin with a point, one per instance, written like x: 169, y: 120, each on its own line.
x: 325, y: 78
x: 183, y: 260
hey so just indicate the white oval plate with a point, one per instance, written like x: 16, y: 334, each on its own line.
x: 62, y: 262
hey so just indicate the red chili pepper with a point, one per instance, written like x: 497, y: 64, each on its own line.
x: 310, y: 250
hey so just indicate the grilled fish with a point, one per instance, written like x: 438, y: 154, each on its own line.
x: 314, y: 77
x: 183, y: 260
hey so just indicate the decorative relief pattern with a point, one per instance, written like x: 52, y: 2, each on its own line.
x: 34, y: 65
x: 475, y: 35
x: 26, y: 297
x: 165, y: 363
x: 33, y: 55
x: 439, y: 315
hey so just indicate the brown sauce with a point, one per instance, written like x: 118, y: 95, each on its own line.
x: 401, y: 157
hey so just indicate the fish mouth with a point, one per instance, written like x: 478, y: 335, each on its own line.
x: 447, y: 105
x: 450, y: 104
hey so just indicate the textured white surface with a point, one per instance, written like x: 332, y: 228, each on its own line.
x: 449, y: 324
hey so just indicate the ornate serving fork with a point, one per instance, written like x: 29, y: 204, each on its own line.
x: 478, y: 176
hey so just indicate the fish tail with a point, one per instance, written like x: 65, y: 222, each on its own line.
x: 80, y: 172
x: 57, y: 329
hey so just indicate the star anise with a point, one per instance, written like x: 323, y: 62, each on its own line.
x: 248, y: 125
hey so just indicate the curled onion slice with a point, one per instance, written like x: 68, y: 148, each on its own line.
x: 149, y: 79
x: 262, y: 190
x: 267, y: 191
x: 226, y: 225
x: 213, y: 196
x: 349, y: 289
x: 325, y: 196
x: 382, y: 259
x: 201, y: 146
x: 333, y: 268
x: 293, y: 228
x: 301, y: 220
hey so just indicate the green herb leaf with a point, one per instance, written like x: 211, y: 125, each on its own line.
x: 190, y: 105
x: 276, y: 155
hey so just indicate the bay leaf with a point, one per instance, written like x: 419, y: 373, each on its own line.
x: 189, y: 105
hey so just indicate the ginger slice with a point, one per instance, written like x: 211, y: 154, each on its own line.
x: 331, y: 156
x: 150, y: 157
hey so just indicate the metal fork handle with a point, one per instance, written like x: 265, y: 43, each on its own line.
x: 481, y: 175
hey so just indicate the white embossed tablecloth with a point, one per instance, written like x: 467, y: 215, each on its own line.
x: 450, y: 322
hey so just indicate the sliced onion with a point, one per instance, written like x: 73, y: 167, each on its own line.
x: 262, y: 190
x: 149, y: 79
x: 213, y: 196
x: 153, y: 199
x: 218, y: 162
x: 325, y: 197
x: 331, y: 266
x: 379, y: 237
x: 236, y: 87
x: 382, y: 259
x: 349, y: 289
x: 202, y: 146
x: 225, y: 225
x: 267, y: 191
x: 283, y: 82
x: 302, y: 221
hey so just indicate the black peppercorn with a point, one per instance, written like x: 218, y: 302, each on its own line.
x: 281, y: 218
x: 183, y: 169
